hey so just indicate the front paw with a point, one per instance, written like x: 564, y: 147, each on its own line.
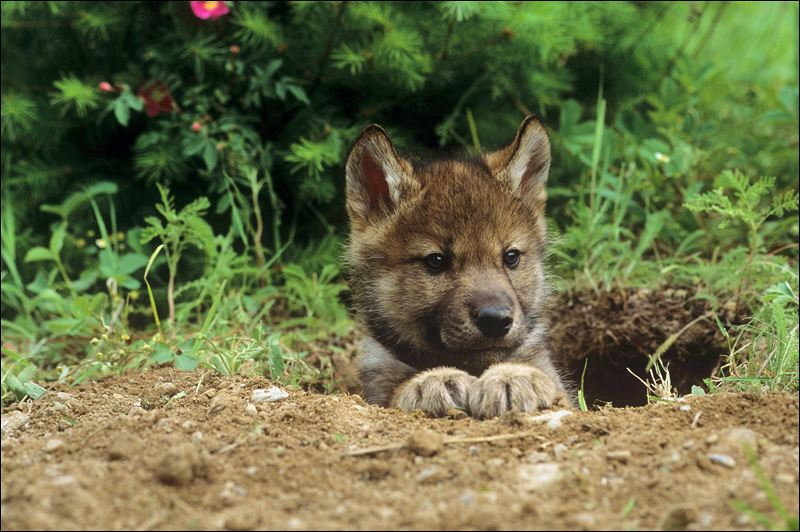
x: 506, y: 387
x: 435, y: 391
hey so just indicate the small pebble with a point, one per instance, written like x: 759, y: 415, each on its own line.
x: 584, y: 520
x: 54, y: 445
x: 241, y: 519
x: 64, y: 480
x: 495, y: 462
x: 166, y: 389
x: 536, y: 457
x: 619, y: 456
x: 712, y: 439
x: 685, y: 408
x: 425, y: 442
x: 430, y: 475
x: 722, y: 459
x: 125, y: 446
x: 559, y: 449
x: 456, y: 413
x: 553, y: 419
x: 136, y: 411
x: 270, y: 395
x: 536, y: 476
x: 251, y: 409
x: 474, y: 450
x: 736, y: 439
x: 12, y: 422
x: 678, y: 518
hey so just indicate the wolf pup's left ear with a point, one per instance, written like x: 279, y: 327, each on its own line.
x: 525, y: 163
x: 377, y: 177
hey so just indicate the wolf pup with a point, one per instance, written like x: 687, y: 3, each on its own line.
x: 445, y: 265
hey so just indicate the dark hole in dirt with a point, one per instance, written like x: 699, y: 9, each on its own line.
x: 619, y: 330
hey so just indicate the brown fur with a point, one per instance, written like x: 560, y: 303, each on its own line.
x: 424, y: 349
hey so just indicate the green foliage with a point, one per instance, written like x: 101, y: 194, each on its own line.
x: 662, y: 116
x: 75, y: 95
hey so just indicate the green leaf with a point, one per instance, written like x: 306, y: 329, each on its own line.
x: 185, y: 363
x: 79, y: 198
x: 62, y: 325
x: 161, y: 354
x: 57, y: 239
x: 22, y: 388
x: 33, y: 390
x: 121, y: 111
x: 696, y: 390
x: 38, y: 253
x: 130, y: 262
x: 132, y: 101
x: 276, y: 363
x: 299, y: 93
x: 210, y: 156
x: 85, y: 281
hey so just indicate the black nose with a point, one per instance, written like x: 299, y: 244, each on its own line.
x: 493, y: 321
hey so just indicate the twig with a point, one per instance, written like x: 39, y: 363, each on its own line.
x: 696, y: 419
x: 498, y: 437
x: 374, y: 450
x: 447, y: 441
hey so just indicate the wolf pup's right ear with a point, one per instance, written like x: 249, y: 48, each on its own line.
x: 377, y: 177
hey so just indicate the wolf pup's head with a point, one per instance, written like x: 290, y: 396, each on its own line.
x: 445, y: 257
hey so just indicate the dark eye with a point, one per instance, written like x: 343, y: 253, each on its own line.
x: 434, y: 262
x: 511, y: 258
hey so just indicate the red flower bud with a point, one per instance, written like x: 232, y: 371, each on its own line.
x: 196, y: 126
x: 105, y: 87
x: 235, y: 49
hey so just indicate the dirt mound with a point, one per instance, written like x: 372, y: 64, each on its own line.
x: 618, y: 331
x: 165, y: 449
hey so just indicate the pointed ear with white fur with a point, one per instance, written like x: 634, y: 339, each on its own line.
x: 525, y: 163
x: 377, y: 177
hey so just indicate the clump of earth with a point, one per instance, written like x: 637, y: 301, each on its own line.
x: 164, y: 449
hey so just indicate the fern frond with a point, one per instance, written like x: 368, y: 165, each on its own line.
x: 19, y: 115
x: 73, y: 94
x: 256, y: 29
x: 159, y: 162
x: 97, y: 22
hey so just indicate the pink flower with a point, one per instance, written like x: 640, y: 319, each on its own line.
x: 157, y: 99
x: 209, y: 10
x: 235, y: 49
x: 196, y: 126
x: 105, y: 87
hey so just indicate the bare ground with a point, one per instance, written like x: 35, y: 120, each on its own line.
x: 91, y: 458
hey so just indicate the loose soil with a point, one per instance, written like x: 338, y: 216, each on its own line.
x: 164, y: 449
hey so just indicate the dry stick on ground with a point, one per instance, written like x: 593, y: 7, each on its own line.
x: 479, y: 439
